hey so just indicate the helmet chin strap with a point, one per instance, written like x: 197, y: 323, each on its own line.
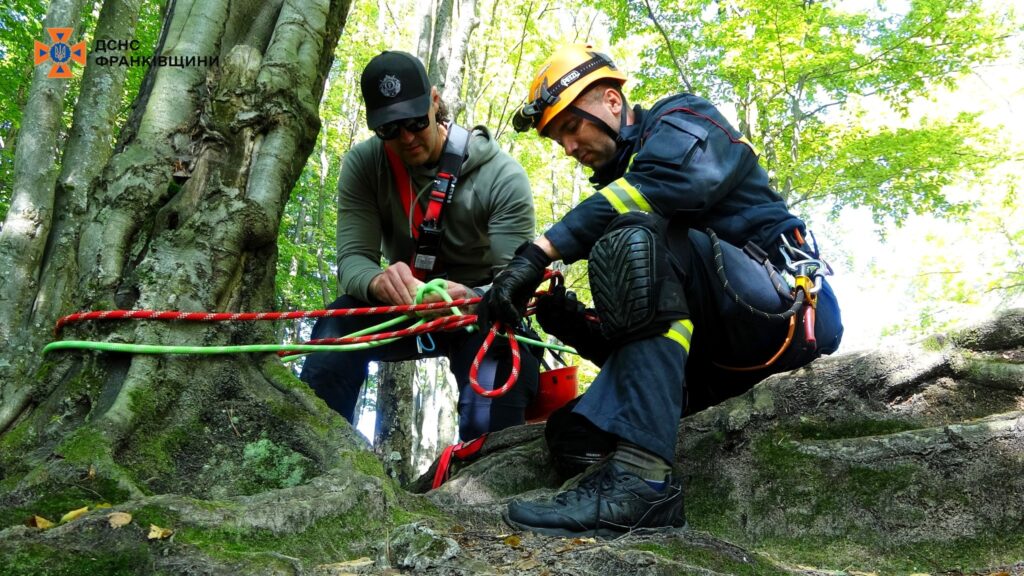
x: 616, y: 136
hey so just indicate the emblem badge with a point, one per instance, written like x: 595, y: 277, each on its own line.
x: 390, y: 86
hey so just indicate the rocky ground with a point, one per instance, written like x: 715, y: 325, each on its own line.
x: 895, y: 461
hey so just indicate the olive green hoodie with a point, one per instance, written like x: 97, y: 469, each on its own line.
x: 490, y: 215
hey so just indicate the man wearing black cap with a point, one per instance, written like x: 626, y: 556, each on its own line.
x: 385, y: 209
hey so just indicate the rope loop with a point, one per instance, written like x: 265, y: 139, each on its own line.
x: 513, y: 375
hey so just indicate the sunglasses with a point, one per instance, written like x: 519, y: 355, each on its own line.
x: 391, y: 130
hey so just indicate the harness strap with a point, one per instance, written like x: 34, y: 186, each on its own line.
x: 426, y: 227
x: 461, y: 451
x: 405, y: 193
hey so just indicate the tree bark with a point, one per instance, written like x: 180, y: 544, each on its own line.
x: 393, y: 439
x: 27, y: 225
x: 452, y: 94
x: 440, y: 45
x: 435, y: 423
x: 183, y: 215
x: 417, y: 415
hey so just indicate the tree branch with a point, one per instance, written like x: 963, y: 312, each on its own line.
x: 668, y: 44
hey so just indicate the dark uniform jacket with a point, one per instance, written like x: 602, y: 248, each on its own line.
x: 682, y: 160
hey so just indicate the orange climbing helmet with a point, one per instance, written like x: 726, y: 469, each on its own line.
x: 562, y: 78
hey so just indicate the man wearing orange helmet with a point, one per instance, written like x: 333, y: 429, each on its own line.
x: 685, y: 241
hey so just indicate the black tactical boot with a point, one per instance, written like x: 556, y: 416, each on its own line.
x: 608, y: 502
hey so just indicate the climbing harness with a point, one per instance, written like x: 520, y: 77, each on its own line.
x: 426, y: 228
x: 460, y: 451
x: 808, y: 272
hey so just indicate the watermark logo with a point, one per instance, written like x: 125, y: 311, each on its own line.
x: 112, y: 52
x: 59, y: 53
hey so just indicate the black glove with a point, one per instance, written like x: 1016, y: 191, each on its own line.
x: 511, y: 290
x: 565, y: 318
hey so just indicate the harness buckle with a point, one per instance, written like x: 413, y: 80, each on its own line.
x: 428, y: 249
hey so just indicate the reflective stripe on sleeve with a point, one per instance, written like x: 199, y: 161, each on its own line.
x: 625, y: 198
x: 681, y: 331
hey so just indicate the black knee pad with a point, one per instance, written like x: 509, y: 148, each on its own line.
x: 637, y: 290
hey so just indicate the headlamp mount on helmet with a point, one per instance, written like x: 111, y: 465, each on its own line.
x: 530, y: 113
x: 527, y: 116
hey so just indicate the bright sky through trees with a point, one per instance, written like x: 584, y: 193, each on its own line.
x: 926, y: 261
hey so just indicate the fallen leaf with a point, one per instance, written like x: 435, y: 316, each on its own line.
x: 158, y: 533
x: 101, y: 506
x: 513, y: 541
x: 527, y: 564
x: 39, y: 522
x: 73, y: 514
x: 357, y: 563
x: 118, y: 519
x: 92, y: 472
x: 574, y: 543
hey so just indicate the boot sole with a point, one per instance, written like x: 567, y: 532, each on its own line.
x: 608, y: 533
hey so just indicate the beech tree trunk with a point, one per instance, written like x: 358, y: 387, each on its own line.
x: 182, y: 215
x: 393, y: 438
x: 456, y: 72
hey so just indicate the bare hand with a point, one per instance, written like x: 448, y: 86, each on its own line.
x: 395, y: 286
x: 456, y: 291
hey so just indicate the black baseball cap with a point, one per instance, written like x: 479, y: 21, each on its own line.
x: 395, y: 87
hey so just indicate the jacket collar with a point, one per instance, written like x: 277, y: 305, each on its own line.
x: 617, y: 166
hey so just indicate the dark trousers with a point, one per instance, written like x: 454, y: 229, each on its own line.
x: 336, y: 377
x: 646, y: 385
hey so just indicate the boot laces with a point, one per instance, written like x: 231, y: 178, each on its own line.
x: 599, y: 481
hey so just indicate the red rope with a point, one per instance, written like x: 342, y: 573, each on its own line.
x: 513, y: 344
x: 251, y: 316
x: 443, y: 324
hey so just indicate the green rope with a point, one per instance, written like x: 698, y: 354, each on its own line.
x: 207, y: 350
x: 438, y: 286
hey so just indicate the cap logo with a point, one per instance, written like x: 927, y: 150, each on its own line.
x: 390, y: 86
x: 570, y: 78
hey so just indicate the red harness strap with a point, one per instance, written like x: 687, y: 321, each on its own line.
x: 405, y: 193
x: 424, y: 228
x: 462, y: 451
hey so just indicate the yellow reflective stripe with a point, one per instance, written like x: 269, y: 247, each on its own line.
x: 623, y: 186
x: 681, y: 331
x: 750, y: 144
x: 612, y: 199
x: 625, y: 198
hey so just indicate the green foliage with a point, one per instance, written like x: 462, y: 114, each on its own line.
x: 895, y: 172
x: 269, y: 465
x: 21, y: 24
x: 793, y: 70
